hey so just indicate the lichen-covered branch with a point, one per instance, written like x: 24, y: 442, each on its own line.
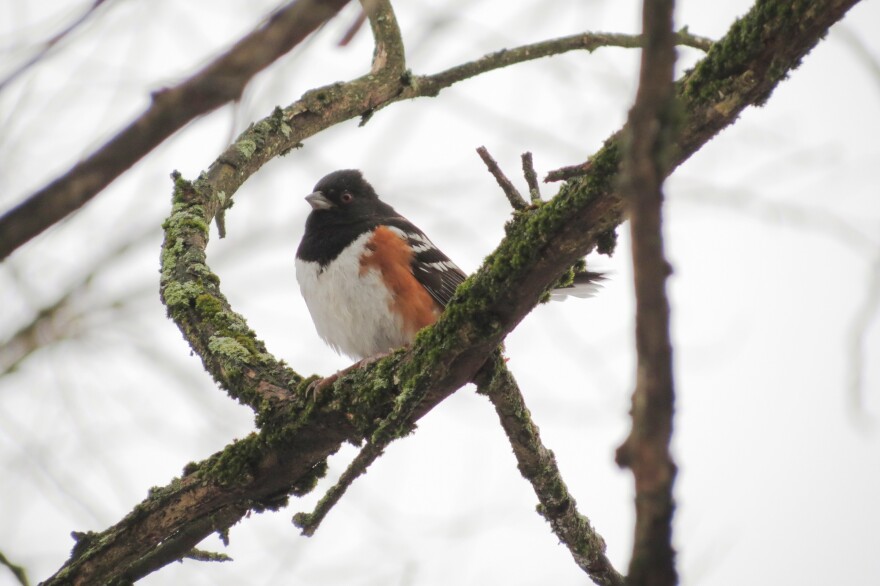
x: 538, y: 465
x: 287, y: 455
x: 650, y: 133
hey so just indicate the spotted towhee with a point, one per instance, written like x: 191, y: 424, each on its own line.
x: 370, y: 278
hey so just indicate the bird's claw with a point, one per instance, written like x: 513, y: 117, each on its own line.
x: 317, y: 386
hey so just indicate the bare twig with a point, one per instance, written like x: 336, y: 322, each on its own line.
x: 513, y: 196
x: 220, y: 82
x: 685, y: 38
x: 538, y: 465
x: 645, y: 164
x: 531, y: 178
x: 584, y: 41
x: 17, y: 571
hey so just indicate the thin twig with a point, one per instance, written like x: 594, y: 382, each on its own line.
x: 531, y: 178
x: 309, y: 522
x: 513, y: 196
x: 538, y: 465
x: 584, y: 41
x: 644, y: 166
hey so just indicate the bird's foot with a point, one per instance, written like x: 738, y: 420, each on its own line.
x: 317, y: 386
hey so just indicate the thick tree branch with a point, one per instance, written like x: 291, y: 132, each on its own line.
x: 538, y: 465
x: 651, y: 126
x: 220, y: 82
x: 295, y: 437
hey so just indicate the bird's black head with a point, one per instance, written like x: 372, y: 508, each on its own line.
x: 344, y: 206
x: 344, y: 195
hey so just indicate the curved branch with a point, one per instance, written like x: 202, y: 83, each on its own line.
x: 215, y: 85
x: 288, y: 453
x: 584, y: 41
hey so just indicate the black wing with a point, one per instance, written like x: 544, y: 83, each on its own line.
x: 433, y: 269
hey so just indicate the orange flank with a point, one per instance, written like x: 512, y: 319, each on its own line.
x: 392, y: 256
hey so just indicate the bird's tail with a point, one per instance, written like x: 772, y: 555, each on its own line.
x: 585, y: 284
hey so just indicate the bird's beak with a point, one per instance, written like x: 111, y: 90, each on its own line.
x: 318, y: 201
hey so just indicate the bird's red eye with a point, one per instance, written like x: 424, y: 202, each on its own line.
x: 346, y: 197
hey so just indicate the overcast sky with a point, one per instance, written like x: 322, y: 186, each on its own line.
x: 773, y: 229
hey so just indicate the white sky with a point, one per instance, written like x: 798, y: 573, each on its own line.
x: 772, y: 229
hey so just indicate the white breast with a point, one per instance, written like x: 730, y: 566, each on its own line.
x: 351, y: 310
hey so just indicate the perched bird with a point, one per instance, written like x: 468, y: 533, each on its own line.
x: 370, y: 278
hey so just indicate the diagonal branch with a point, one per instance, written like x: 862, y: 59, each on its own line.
x: 220, y: 82
x: 538, y: 465
x: 288, y: 454
x: 651, y: 126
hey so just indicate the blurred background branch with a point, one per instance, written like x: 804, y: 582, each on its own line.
x: 651, y: 133
x: 220, y: 82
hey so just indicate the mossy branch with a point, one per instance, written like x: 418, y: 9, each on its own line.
x: 538, y: 465
x: 288, y: 453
